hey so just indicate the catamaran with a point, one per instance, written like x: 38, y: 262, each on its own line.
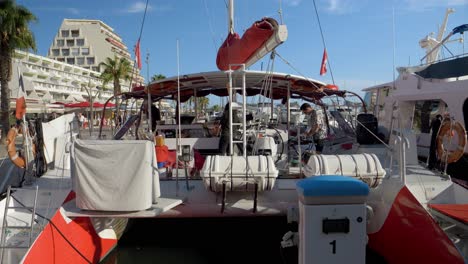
x: 348, y: 199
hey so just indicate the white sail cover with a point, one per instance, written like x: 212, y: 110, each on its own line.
x: 114, y: 175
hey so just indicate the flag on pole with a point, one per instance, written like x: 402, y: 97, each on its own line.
x: 323, y: 67
x: 21, y: 99
x: 137, y: 54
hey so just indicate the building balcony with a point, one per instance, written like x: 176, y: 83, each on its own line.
x: 42, y: 75
x: 46, y: 62
x: 54, y: 76
x: 19, y: 54
x: 33, y: 59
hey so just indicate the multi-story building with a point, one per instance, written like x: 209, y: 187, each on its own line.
x: 87, y: 43
x: 49, y: 81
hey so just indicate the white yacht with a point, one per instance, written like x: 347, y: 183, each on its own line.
x: 421, y: 93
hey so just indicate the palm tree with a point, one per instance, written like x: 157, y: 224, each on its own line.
x: 157, y: 77
x: 203, y: 103
x: 114, y: 70
x: 14, y: 34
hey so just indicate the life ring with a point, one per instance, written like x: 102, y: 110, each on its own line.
x: 11, y: 148
x: 447, y: 130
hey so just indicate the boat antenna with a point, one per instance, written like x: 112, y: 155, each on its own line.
x: 178, y: 116
x: 323, y: 41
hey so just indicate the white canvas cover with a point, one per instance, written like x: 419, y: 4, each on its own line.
x: 56, y: 136
x: 114, y: 175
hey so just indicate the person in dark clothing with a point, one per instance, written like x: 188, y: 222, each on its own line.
x: 225, y: 130
x: 435, y: 125
x: 155, y: 114
x: 155, y: 117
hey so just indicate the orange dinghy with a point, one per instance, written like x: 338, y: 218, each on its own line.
x: 262, y: 37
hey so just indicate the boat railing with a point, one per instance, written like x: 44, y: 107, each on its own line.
x: 403, y: 143
x: 445, y: 59
x: 400, y: 144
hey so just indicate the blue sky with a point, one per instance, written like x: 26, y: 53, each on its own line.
x: 358, y: 33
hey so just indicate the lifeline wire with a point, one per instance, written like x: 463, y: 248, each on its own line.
x: 323, y: 41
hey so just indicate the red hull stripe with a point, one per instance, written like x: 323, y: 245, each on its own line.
x: 51, y: 247
x: 410, y: 235
x: 456, y: 211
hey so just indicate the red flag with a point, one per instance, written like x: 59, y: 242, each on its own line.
x: 137, y: 54
x: 323, y: 67
x: 20, y: 100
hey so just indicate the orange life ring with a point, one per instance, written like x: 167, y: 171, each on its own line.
x: 11, y: 148
x: 447, y: 130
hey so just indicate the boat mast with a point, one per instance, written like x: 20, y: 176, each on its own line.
x: 231, y: 17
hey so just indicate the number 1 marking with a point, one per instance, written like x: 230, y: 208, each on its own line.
x: 333, y: 243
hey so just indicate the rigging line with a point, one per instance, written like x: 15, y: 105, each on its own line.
x: 393, y: 42
x: 302, y: 75
x: 139, y: 38
x: 210, y: 25
x: 143, y: 21
x: 323, y: 41
x: 443, y: 45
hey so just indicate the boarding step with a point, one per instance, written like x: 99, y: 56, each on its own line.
x: 164, y: 204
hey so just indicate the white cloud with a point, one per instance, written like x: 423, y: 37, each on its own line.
x: 72, y: 10
x: 426, y: 4
x: 137, y: 7
x: 341, y: 6
x: 292, y: 2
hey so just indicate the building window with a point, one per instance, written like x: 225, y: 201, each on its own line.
x: 71, y: 60
x: 60, y: 42
x: 80, y: 42
x: 80, y: 61
x: 85, y: 51
x: 75, y: 33
x: 70, y: 42
x: 75, y: 51
x: 65, y: 52
x: 55, y: 52
x: 96, y: 68
x: 90, y: 60
x: 61, y: 59
x: 65, y: 33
